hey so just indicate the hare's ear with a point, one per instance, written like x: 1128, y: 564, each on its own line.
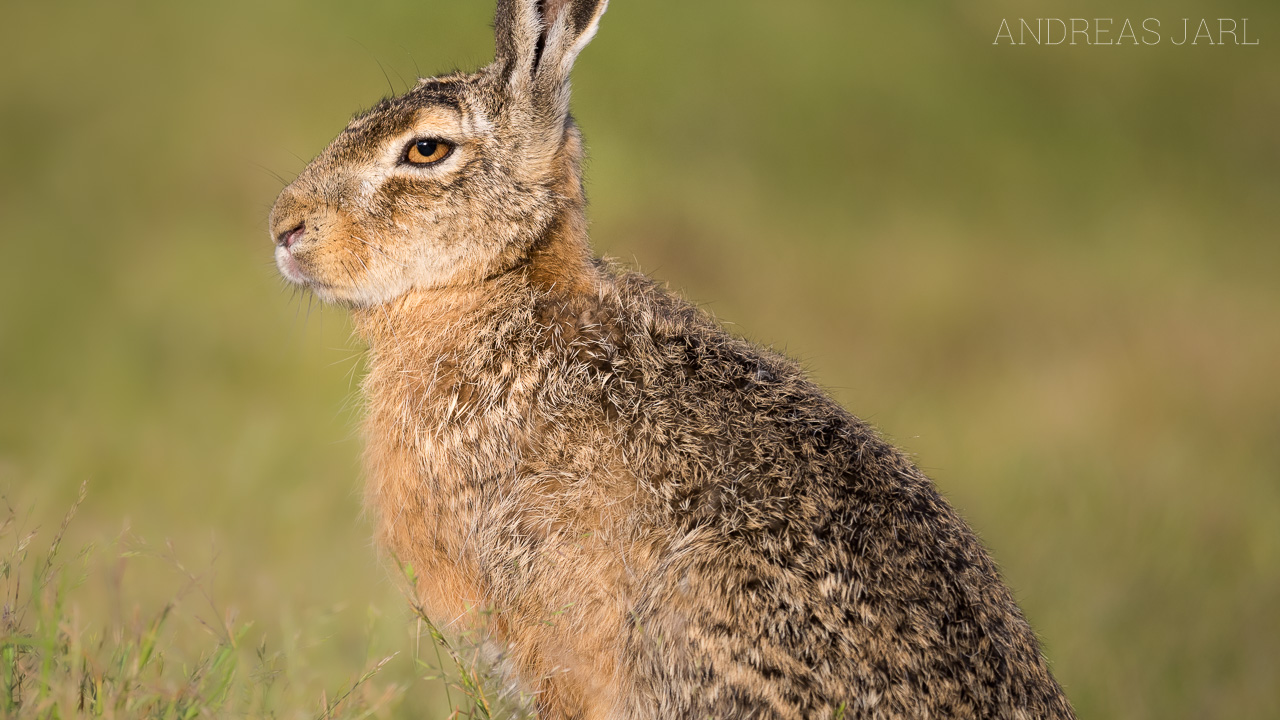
x: 538, y: 40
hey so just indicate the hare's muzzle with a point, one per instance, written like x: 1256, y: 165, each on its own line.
x: 287, y: 238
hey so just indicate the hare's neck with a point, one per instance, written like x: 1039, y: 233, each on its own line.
x: 560, y: 260
x: 438, y: 363
x: 421, y: 325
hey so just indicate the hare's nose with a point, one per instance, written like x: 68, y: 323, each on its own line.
x: 289, y: 237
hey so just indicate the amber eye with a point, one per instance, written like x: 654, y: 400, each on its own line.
x: 427, y: 152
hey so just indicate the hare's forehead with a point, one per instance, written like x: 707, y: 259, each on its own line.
x: 420, y: 113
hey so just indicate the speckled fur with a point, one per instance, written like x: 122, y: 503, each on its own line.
x: 649, y: 517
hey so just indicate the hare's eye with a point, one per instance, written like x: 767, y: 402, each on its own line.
x: 427, y: 152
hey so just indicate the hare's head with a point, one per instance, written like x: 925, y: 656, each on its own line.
x: 452, y: 182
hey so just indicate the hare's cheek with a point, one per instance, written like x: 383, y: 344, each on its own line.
x: 341, y: 261
x: 324, y: 253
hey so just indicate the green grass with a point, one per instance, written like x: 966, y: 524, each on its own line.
x: 75, y: 643
x: 1048, y: 273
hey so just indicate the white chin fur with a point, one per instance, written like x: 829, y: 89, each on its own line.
x: 289, y: 267
x: 372, y: 293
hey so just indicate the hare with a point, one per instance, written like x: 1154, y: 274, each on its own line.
x: 647, y: 516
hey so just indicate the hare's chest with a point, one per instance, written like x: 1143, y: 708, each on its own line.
x: 421, y: 525
x: 516, y: 539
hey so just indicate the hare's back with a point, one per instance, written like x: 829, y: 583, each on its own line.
x: 811, y: 564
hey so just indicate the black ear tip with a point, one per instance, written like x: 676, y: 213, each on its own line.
x: 585, y: 13
x: 581, y: 12
x: 523, y: 27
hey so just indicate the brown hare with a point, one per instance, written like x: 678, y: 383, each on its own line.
x: 647, y: 516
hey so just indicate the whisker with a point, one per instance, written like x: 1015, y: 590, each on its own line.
x: 380, y: 251
x: 402, y: 80
x: 380, y: 67
x: 271, y: 172
x: 417, y: 70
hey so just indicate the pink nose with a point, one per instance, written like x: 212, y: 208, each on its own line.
x: 289, y: 237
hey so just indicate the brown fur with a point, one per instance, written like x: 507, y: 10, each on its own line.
x: 647, y: 516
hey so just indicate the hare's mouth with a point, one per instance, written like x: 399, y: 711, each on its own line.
x: 285, y: 261
x: 291, y: 268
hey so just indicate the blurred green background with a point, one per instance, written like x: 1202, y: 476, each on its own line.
x: 1051, y: 273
